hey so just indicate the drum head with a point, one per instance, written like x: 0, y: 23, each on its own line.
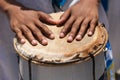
x: 59, y: 51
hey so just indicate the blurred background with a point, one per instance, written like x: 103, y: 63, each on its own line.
x: 112, y: 8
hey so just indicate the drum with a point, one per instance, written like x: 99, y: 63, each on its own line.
x: 60, y: 60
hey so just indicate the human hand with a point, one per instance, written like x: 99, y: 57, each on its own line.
x: 28, y: 24
x: 79, y: 19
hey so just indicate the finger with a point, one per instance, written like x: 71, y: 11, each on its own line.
x: 67, y: 27
x: 47, y: 18
x: 74, y: 29
x: 93, y: 24
x: 28, y: 34
x: 83, y: 29
x: 41, y: 38
x: 45, y: 30
x: 38, y: 35
x: 19, y: 36
x: 64, y: 17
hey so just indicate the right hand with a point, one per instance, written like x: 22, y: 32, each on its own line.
x: 80, y: 19
x: 28, y: 24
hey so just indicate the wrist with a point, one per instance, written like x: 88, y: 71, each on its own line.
x: 8, y: 6
x: 96, y: 2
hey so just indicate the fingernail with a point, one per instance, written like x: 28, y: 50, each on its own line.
x: 34, y: 42
x: 44, y: 42
x: 62, y: 18
x: 52, y: 36
x: 78, y: 37
x: 55, y: 21
x: 70, y: 38
x: 51, y: 19
x: 22, y: 41
x: 62, y: 35
x: 90, y: 33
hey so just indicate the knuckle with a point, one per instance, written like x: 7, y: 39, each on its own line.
x: 67, y: 23
x: 95, y: 18
x: 76, y: 24
x: 17, y: 31
x: 73, y: 30
x: 42, y: 26
x: 84, y: 24
x: 93, y: 22
x: 40, y: 38
x: 64, y: 30
x: 45, y: 29
x: 49, y: 32
x: 72, y: 33
x: 80, y: 18
x: 19, y: 34
x: 14, y: 26
x: 80, y: 33
x: 30, y: 37
x: 73, y: 16
x: 36, y: 31
x: 26, y: 31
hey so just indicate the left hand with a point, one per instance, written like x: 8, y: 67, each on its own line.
x: 79, y: 19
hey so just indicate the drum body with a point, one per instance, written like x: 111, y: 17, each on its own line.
x: 79, y: 71
x: 60, y: 60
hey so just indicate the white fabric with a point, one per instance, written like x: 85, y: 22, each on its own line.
x: 8, y: 59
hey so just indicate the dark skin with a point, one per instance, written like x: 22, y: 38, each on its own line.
x: 75, y: 20
x: 78, y: 18
x: 26, y: 25
x: 31, y: 26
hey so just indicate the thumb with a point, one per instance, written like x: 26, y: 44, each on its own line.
x: 46, y: 18
x: 64, y: 17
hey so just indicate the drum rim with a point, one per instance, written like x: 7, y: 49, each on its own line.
x: 71, y: 61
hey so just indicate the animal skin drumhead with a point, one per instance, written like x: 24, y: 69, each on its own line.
x: 59, y: 50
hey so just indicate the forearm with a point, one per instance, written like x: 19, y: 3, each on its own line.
x: 96, y: 2
x: 6, y: 5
